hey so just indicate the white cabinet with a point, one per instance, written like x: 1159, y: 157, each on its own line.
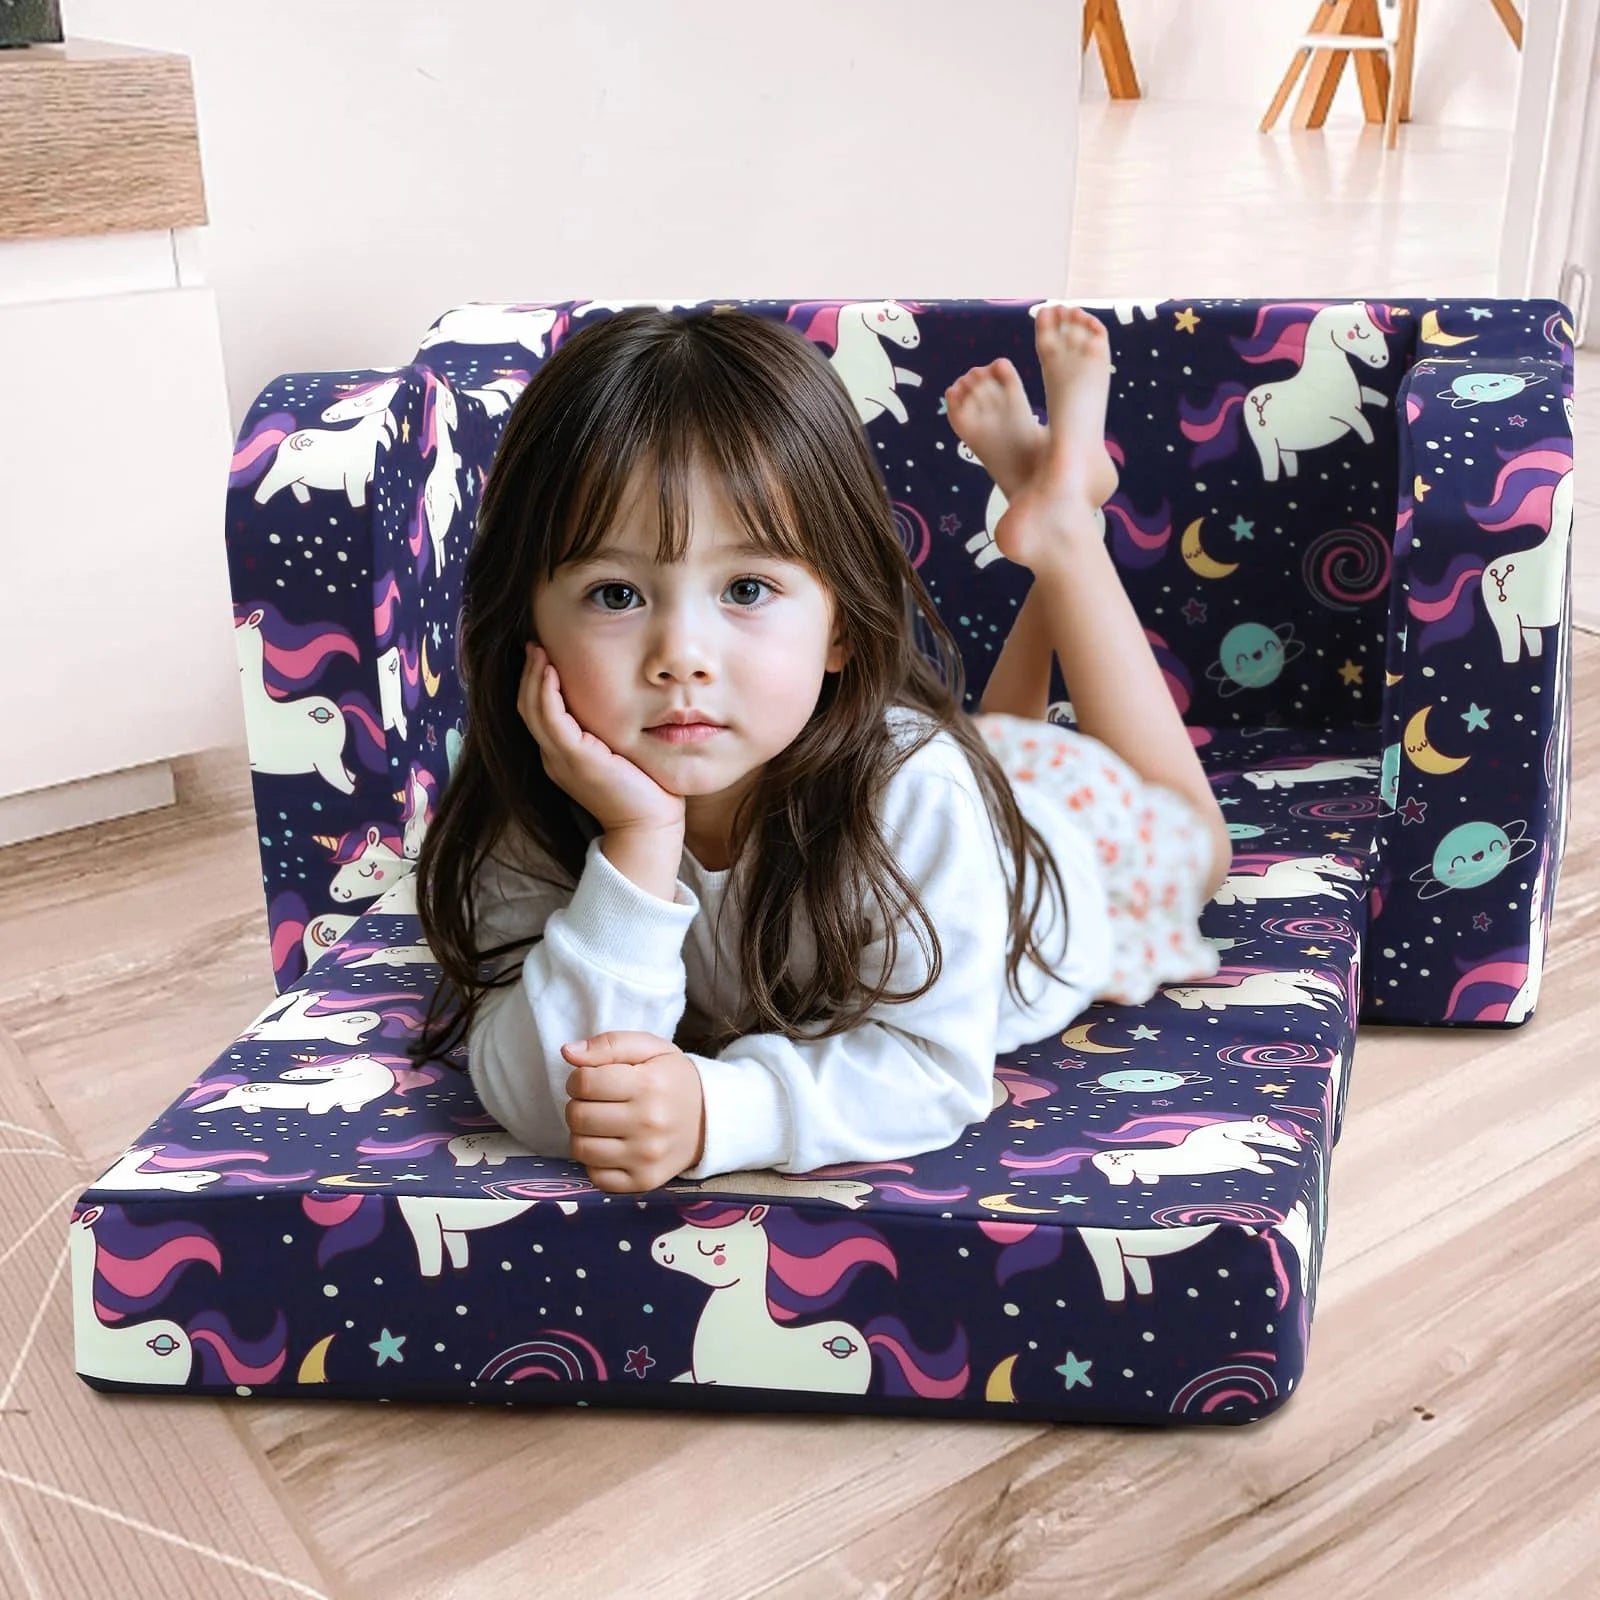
x: 116, y: 634
x: 115, y: 612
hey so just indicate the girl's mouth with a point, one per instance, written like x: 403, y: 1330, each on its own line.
x: 686, y: 732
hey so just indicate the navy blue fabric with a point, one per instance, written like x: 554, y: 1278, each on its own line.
x: 1346, y: 528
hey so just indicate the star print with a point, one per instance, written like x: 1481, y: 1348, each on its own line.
x: 388, y: 1347
x: 639, y: 1362
x: 1413, y: 810
x: 1476, y: 312
x: 1402, y: 638
x: 1075, y: 1371
x: 1186, y: 321
x: 1227, y: 800
x: 1195, y: 610
x: 1318, y: 950
x: 1481, y: 921
x: 1071, y: 1200
x: 1026, y: 1122
x: 1350, y: 672
x: 399, y: 1111
x: 405, y: 430
x: 1242, y: 528
x: 1475, y: 717
x: 948, y: 524
x: 1517, y: 422
x: 1144, y: 1031
x: 1271, y: 1088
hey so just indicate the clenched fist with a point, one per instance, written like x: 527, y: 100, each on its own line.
x: 636, y: 1110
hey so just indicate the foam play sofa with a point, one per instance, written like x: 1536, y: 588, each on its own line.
x: 1345, y: 525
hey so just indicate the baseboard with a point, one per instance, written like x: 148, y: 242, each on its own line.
x: 63, y: 806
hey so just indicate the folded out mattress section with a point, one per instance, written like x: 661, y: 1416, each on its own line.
x: 1133, y: 1234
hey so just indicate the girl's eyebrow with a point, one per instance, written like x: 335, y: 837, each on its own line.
x: 612, y: 552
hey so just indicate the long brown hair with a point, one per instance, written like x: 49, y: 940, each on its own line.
x: 761, y: 407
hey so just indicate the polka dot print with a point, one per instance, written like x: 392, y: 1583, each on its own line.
x: 1153, y: 851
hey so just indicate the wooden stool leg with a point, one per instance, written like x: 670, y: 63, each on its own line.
x: 1322, y: 80
x: 1372, y: 68
x: 1508, y: 14
x: 1103, y: 19
x: 1301, y: 56
x: 1400, y: 88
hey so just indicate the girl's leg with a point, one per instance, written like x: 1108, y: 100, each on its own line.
x: 1020, y: 682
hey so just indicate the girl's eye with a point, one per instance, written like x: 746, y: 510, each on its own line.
x: 735, y: 583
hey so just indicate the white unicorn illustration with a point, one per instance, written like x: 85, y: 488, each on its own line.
x: 1302, y: 988
x: 736, y: 1341
x: 154, y: 1351
x: 321, y: 1087
x: 1292, y: 880
x: 303, y: 734
x: 1332, y: 770
x: 1321, y: 402
x: 1524, y: 592
x: 284, y: 1017
x: 335, y: 458
x: 1217, y: 1147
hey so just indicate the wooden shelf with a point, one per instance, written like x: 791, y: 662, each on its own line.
x: 98, y: 138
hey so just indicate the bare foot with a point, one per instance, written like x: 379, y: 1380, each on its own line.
x: 1054, y: 508
x: 989, y: 410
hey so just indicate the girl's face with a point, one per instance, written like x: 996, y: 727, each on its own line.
x: 742, y: 637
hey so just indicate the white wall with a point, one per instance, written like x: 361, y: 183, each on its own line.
x: 1235, y: 52
x: 370, y: 163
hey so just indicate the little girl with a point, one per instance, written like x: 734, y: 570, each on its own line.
x: 744, y: 888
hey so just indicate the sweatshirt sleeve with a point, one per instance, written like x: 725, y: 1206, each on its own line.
x: 610, y: 957
x: 910, y: 1077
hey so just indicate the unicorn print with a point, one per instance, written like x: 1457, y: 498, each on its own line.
x: 286, y: 1016
x: 440, y: 1226
x: 345, y: 1084
x: 1333, y: 770
x: 1523, y: 592
x: 1214, y: 1147
x: 1123, y: 1255
x: 736, y: 1340
x: 1313, y: 407
x: 322, y: 458
x: 154, y: 1351
x: 1291, y: 878
x: 1302, y: 988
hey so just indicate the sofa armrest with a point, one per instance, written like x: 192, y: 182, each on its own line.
x: 345, y: 498
x: 1476, y: 725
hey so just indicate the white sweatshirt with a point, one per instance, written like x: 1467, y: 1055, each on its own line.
x: 909, y: 1079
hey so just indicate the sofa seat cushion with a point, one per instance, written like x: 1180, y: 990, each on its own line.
x: 1132, y: 1235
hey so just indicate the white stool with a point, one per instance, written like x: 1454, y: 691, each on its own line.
x: 1383, y: 66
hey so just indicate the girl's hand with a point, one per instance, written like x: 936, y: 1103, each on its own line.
x: 618, y: 794
x: 636, y: 1110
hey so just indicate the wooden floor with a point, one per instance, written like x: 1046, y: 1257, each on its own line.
x: 1445, y: 1440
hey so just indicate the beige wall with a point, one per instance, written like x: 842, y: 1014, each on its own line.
x: 370, y: 163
